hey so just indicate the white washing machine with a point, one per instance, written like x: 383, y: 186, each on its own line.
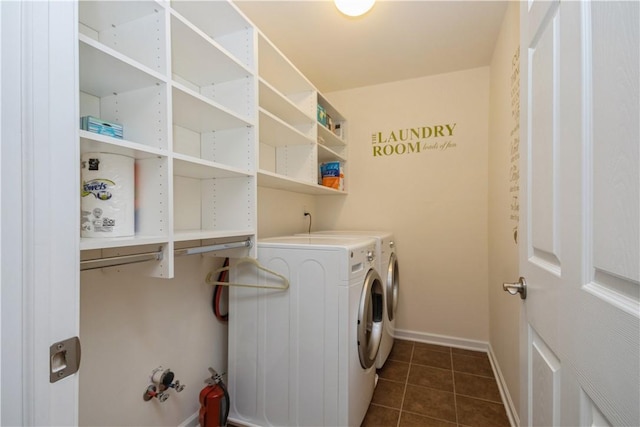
x: 387, y: 266
x: 305, y: 356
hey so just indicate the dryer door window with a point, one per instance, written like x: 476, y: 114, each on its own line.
x: 370, y: 314
x: 393, y: 286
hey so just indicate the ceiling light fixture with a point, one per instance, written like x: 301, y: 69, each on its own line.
x: 354, y: 7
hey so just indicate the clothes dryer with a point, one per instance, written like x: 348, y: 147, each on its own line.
x: 305, y: 356
x: 387, y: 266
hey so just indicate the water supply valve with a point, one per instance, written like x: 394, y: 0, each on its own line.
x: 162, y: 382
x: 152, y: 391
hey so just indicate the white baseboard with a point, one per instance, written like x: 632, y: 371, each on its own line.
x: 442, y: 340
x: 192, y: 421
x: 512, y: 413
x: 467, y: 344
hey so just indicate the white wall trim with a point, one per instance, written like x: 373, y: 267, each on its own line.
x: 192, y: 421
x: 468, y: 344
x: 442, y: 340
x: 512, y: 412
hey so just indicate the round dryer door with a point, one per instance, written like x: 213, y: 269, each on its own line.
x: 370, y: 314
x: 393, y: 286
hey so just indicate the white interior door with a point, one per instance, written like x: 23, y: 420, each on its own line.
x: 579, y: 247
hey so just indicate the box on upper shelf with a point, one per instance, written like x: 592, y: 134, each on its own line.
x: 102, y: 127
x: 337, y: 130
x: 322, y: 115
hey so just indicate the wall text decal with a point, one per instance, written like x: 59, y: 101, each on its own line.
x: 514, y: 172
x: 413, y: 140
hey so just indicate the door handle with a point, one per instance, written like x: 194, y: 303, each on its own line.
x: 516, y: 288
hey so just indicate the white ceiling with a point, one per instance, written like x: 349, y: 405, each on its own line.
x: 394, y: 41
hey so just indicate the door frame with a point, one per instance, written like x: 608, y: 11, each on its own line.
x: 40, y: 222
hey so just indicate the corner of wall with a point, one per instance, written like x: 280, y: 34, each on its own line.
x: 503, y: 208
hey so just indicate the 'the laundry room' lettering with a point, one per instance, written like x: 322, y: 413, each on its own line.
x: 413, y: 140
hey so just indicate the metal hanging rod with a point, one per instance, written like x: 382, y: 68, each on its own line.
x: 157, y: 256
x: 212, y: 248
x: 93, y: 264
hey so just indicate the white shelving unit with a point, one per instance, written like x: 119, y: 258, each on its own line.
x: 180, y: 79
x: 210, y: 110
x: 290, y: 152
x: 331, y: 147
x: 334, y: 146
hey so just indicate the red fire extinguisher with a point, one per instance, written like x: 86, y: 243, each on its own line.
x: 214, y: 402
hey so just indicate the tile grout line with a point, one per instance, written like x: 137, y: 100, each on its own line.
x: 481, y: 399
x: 453, y: 383
x: 426, y: 416
x: 471, y: 374
x: 406, y: 381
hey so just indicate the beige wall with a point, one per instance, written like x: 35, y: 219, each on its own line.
x: 131, y: 324
x: 434, y: 201
x: 281, y: 213
x: 504, y: 310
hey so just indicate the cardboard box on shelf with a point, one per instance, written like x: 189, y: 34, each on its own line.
x: 322, y: 115
x: 102, y: 127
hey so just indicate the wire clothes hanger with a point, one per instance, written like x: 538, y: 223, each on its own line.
x: 211, y: 277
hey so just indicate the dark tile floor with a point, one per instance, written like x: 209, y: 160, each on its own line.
x: 430, y: 385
